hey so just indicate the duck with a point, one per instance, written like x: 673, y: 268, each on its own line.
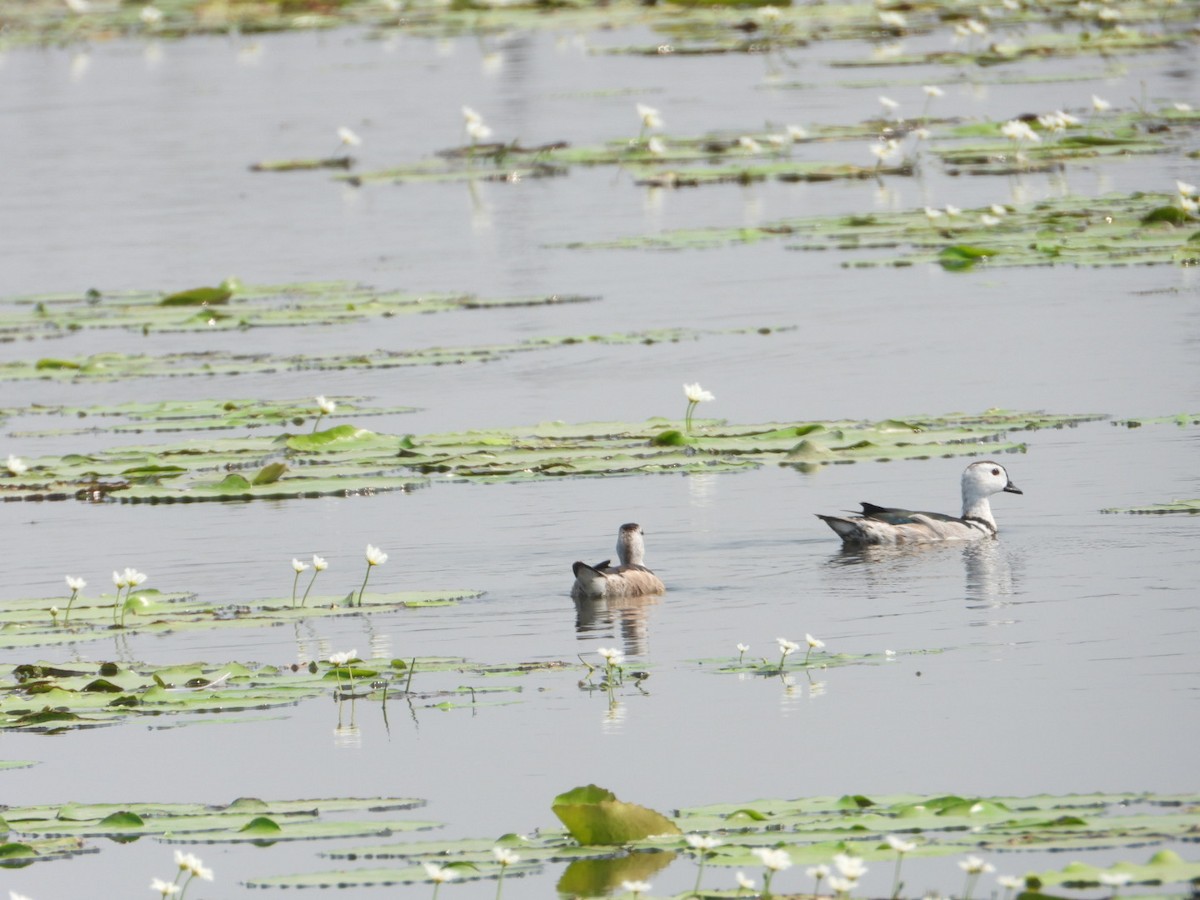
x: 628, y: 579
x: 886, y: 525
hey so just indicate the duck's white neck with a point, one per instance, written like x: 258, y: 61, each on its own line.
x: 631, y: 549
x: 977, y: 508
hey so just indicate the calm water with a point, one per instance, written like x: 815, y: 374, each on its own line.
x: 1069, y: 646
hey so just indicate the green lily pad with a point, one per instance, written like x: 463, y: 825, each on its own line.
x: 594, y: 815
x: 233, y: 306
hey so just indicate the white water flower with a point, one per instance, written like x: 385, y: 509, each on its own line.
x: 818, y: 872
x: 900, y: 845
x: 340, y: 659
x: 933, y: 214
x: 504, y: 856
x: 953, y: 210
x: 656, y: 146
x: 772, y: 859
x: 649, y: 116
x: 742, y: 648
x: 786, y: 647
x: 470, y: 116
x: 932, y: 90
x: 988, y: 220
x: 133, y: 578
x: 1115, y: 879
x: 1185, y: 189
x: 922, y: 134
x: 1011, y: 882
x: 813, y: 642
x: 478, y: 131
x: 703, y: 842
x: 439, y: 874
x: 1182, y: 107
x: 973, y: 865
x: 164, y: 888
x: 636, y: 887
x: 749, y: 144
x: 119, y: 581
x: 889, y: 104
x: 841, y: 885
x: 375, y: 556
x: 1017, y: 130
x: 697, y: 394
x: 191, y: 863
x: 744, y: 883
x: 998, y: 209
x: 611, y: 655
x: 15, y: 466
x: 796, y: 133
x: 1099, y: 104
x: 319, y: 563
x: 849, y: 866
x: 885, y: 150
x: 892, y: 19
x: 150, y: 15
x: 76, y: 584
x: 348, y: 137
x: 769, y: 13
x: 298, y: 566
x: 325, y: 405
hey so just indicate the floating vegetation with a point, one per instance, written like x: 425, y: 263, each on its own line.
x: 119, y: 366
x: 29, y: 622
x: 346, y: 459
x: 674, y: 162
x: 234, y: 306
x: 1190, y: 507
x: 60, y: 831
x: 1078, y: 231
x: 811, y: 831
x: 195, y: 415
x: 46, y: 698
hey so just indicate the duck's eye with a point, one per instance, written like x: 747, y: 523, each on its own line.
x: 995, y: 471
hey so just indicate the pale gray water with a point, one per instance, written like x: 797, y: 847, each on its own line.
x: 1070, y: 661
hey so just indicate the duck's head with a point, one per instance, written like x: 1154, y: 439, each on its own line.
x: 631, y: 548
x: 984, y: 478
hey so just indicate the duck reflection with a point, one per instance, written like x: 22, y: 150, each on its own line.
x: 630, y: 616
x: 988, y: 566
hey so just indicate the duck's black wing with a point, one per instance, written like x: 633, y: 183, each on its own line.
x: 894, y: 516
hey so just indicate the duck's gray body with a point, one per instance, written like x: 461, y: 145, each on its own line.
x: 629, y: 579
x: 887, y: 525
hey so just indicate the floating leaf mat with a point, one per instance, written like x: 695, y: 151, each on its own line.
x: 47, y: 698
x: 346, y: 459
x: 244, y: 307
x: 119, y: 366
x: 28, y: 622
x: 195, y: 415
x: 812, y: 830
x: 41, y: 833
x: 1076, y: 231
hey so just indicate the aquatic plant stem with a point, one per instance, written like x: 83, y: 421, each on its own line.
x: 896, y: 883
x: 304, y: 599
x: 295, y: 581
x: 412, y: 665
x: 364, y: 587
x: 67, y: 612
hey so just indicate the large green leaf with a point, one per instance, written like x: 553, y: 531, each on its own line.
x: 594, y: 815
